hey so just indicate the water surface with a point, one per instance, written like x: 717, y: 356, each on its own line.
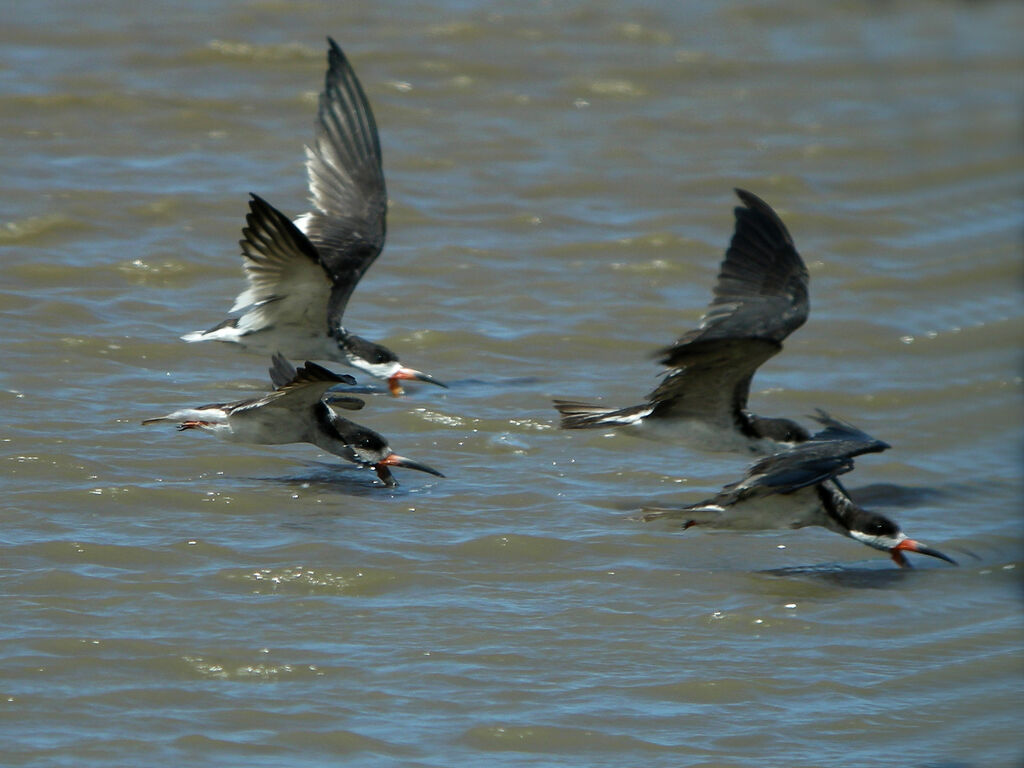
x: 561, y: 179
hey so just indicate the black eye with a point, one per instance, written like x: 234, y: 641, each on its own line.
x: 382, y: 355
x: 881, y: 527
x: 366, y: 441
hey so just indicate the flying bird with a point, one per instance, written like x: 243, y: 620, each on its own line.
x: 797, y: 487
x: 759, y: 299
x: 300, y: 282
x: 295, y: 412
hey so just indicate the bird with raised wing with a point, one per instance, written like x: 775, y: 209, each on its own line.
x: 299, y: 285
x: 759, y: 299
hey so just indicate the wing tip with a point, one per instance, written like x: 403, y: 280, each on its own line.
x: 764, y: 215
x: 325, y: 374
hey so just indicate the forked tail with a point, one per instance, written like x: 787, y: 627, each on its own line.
x: 693, y: 515
x: 576, y: 415
x: 226, y: 330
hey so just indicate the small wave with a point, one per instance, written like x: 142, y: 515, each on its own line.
x: 281, y: 52
x: 31, y: 229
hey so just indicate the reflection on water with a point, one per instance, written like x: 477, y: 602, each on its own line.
x: 560, y: 178
x: 885, y: 576
x: 324, y: 478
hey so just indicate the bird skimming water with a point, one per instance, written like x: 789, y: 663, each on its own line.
x: 300, y: 282
x: 797, y: 487
x: 295, y: 412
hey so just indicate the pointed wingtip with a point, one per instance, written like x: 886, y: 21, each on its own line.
x: 335, y: 56
x: 326, y: 373
x: 754, y: 205
x: 752, y: 201
x: 258, y: 209
x: 742, y: 194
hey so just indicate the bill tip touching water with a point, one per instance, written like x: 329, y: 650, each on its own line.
x: 798, y: 487
x: 296, y: 411
x: 560, y: 198
x: 759, y: 298
x: 300, y: 275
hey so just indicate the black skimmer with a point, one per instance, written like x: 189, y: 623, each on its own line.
x: 759, y: 299
x: 299, y: 284
x: 798, y: 487
x: 295, y: 412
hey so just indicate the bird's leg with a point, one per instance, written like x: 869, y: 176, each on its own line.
x: 192, y: 425
x: 899, y: 559
x: 385, y: 475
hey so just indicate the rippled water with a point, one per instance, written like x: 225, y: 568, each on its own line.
x: 561, y: 180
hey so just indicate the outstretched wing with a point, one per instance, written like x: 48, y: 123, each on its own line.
x: 304, y: 388
x: 759, y: 299
x: 346, y: 182
x: 761, y: 290
x: 827, y: 454
x: 287, y: 283
x: 283, y: 374
x: 710, y: 379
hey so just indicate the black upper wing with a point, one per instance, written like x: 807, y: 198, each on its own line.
x: 710, y: 379
x: 296, y: 388
x: 759, y: 299
x: 283, y: 374
x: 346, y: 181
x: 827, y: 454
x: 761, y: 290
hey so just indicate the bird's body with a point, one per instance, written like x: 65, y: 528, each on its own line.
x: 285, y: 415
x: 796, y: 488
x: 300, y: 278
x: 771, y: 512
x: 300, y: 343
x: 295, y: 412
x: 760, y: 298
x: 751, y: 435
